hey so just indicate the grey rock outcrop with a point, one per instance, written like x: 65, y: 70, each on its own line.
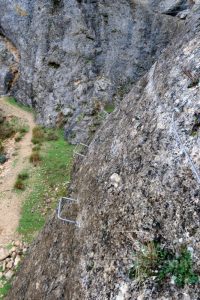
x: 135, y: 185
x: 8, y: 65
x: 80, y: 55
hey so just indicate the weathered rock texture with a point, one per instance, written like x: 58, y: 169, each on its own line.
x: 76, y: 55
x: 135, y: 177
x: 9, y: 60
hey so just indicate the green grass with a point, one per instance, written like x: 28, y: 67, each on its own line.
x: 49, y: 180
x: 13, y: 126
x: 163, y: 265
x: 20, y: 183
x: 4, y: 289
x: 13, y: 102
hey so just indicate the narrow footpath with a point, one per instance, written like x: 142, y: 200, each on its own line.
x: 18, y: 153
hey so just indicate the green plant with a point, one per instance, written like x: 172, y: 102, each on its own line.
x: 19, y: 184
x: 51, y: 136
x: 109, y: 108
x: 6, y: 130
x: 152, y: 260
x: 180, y: 268
x: 23, y: 175
x: 36, y: 148
x: 5, y: 286
x: 13, y: 102
x: 11, y: 127
x: 35, y: 157
x: 38, y: 135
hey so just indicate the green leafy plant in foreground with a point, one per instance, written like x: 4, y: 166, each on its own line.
x: 162, y: 264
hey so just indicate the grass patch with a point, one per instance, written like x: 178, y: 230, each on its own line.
x: 36, y: 148
x: 38, y: 135
x: 19, y: 185
x: 6, y: 286
x: 41, y: 134
x: 13, y: 102
x: 48, y: 183
x: 163, y: 265
x: 20, y: 181
x: 11, y: 127
x: 35, y: 158
x: 23, y: 175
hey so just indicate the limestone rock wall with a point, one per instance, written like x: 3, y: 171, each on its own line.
x: 135, y: 185
x: 77, y: 56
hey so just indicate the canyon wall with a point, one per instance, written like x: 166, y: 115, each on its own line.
x: 138, y: 183
x: 78, y: 56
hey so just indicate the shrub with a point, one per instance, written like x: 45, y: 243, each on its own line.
x: 36, y: 148
x: 51, y: 136
x: 35, y: 157
x: 23, y: 175
x: 155, y: 261
x: 38, y: 135
x: 18, y: 137
x: 6, y: 131
x: 38, y: 132
x: 19, y: 184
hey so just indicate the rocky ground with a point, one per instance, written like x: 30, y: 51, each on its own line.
x: 10, y: 259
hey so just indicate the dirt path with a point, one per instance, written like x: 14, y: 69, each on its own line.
x: 10, y: 201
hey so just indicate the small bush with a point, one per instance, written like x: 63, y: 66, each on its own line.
x: 36, y: 141
x: 162, y: 264
x: 23, y: 175
x: 18, y: 137
x: 36, y: 148
x: 35, y: 157
x: 19, y: 184
x: 6, y: 131
x: 51, y: 136
x: 38, y: 133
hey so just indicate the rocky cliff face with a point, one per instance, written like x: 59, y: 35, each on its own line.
x: 77, y: 56
x: 139, y: 182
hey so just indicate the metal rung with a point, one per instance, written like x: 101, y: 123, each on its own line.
x: 75, y: 150
x: 84, y: 145
x: 79, y: 154
x: 60, y: 208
